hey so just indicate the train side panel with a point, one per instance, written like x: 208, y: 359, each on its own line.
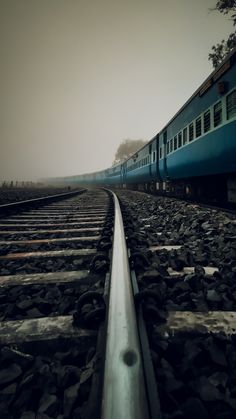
x: 201, y: 139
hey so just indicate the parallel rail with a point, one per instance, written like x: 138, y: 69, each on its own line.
x: 6, y: 208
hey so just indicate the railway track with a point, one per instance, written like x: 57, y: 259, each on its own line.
x: 64, y: 270
x: 79, y: 313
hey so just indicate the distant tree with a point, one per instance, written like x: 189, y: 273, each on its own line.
x: 126, y: 149
x: 222, y: 49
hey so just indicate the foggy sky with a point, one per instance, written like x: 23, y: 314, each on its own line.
x: 77, y: 77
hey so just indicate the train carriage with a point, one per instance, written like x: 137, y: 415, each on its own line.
x: 194, y: 154
x: 198, y: 146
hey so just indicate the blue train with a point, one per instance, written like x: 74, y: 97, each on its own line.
x: 194, y: 155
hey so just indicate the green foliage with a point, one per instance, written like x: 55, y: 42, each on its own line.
x: 227, y: 6
x: 222, y: 49
x: 126, y: 149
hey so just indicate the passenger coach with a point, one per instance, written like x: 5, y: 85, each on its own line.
x: 194, y: 155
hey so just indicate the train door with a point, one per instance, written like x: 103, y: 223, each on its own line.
x: 157, y: 174
x: 164, y: 153
x: 150, y: 160
x: 124, y: 173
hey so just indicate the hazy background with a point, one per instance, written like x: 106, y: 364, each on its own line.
x: 77, y: 77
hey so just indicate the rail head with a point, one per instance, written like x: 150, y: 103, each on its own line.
x: 4, y: 208
x: 124, y: 390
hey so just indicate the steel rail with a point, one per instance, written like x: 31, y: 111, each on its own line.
x: 42, y: 199
x: 124, y: 389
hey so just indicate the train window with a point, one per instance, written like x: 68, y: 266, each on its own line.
x: 231, y: 104
x: 168, y: 147
x: 160, y: 150
x: 217, y: 114
x: 198, y: 127
x: 171, y: 144
x: 154, y: 156
x: 207, y: 121
x: 185, y: 136
x: 180, y: 139
x: 191, y: 132
x: 175, y: 143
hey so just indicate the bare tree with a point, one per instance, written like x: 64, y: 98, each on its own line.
x: 126, y: 149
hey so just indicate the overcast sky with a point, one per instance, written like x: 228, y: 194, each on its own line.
x: 77, y: 77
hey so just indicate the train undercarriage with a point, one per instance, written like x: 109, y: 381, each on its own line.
x: 217, y: 189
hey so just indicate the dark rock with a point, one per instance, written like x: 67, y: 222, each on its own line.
x: 25, y: 304
x: 53, y: 294
x: 43, y: 305
x: 48, y: 405
x: 10, y: 374
x: 225, y: 415
x: 231, y: 402
x: 78, y: 263
x: 43, y: 416
x: 207, y: 391
x: 177, y: 264
x: 4, y: 411
x: 151, y: 276
x: 206, y: 226
x: 194, y: 282
x: 27, y: 381
x: 201, y: 259
x: 217, y: 355
x: 28, y: 415
x: 191, y: 350
x: 67, y: 376
x: 159, y: 344
x: 70, y: 397
x: 66, y: 305
x: 100, y: 266
x: 21, y: 358
x: 8, y: 393
x: 34, y: 312
x: 23, y: 400
x: 213, y: 296
x: 219, y: 379
x: 176, y: 415
x: 182, y: 286
x: 11, y: 311
x: 199, y: 271
x: 174, y: 386
x: 193, y: 408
